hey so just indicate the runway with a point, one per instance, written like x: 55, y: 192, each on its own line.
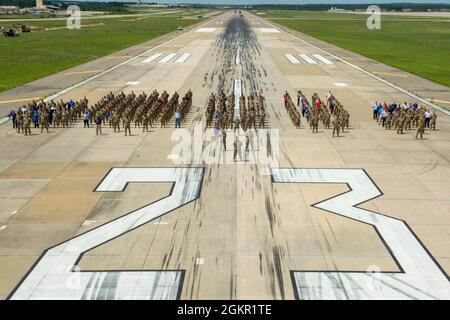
x: 362, y: 216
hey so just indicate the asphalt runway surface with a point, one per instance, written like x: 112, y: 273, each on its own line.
x: 362, y: 216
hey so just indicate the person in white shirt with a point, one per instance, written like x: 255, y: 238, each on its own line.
x: 427, y: 118
x: 375, y: 110
x: 177, y: 120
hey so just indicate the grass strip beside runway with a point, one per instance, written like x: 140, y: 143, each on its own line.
x: 38, y: 54
x: 419, y: 45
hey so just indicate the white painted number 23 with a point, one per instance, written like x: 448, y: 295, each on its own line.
x: 55, y: 274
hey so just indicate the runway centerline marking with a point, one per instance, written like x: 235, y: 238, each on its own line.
x: 206, y: 30
x: 133, y: 83
x: 269, y: 30
x: 237, y: 94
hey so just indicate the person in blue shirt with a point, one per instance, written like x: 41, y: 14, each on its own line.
x: 36, y: 119
x: 12, y: 116
x: 379, y: 110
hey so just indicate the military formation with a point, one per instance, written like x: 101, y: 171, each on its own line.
x: 404, y: 117
x: 331, y: 114
x: 43, y: 115
x: 116, y: 110
x: 220, y: 112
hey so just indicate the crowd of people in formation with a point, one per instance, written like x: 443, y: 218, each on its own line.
x: 42, y: 115
x: 402, y: 117
x: 115, y: 110
x: 330, y: 113
x: 221, y: 114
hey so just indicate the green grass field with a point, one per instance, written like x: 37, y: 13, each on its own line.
x: 420, y: 45
x: 37, y: 54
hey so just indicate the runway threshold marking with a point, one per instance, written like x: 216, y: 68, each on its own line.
x: 322, y: 59
x: 152, y: 58
x: 167, y: 58
x: 291, y: 58
x: 370, y: 74
x: 307, y: 59
x: 183, y: 57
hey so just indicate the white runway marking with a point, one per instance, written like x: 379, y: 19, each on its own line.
x: 161, y: 223
x: 390, y: 84
x: 199, y: 261
x: 81, y: 83
x: 167, y: 58
x: 173, y: 157
x: 53, y: 276
x: 237, y: 94
x: 307, y: 59
x: 152, y: 58
x: 269, y: 30
x: 88, y: 222
x: 421, y: 277
x: 3, y: 120
x: 2, y: 228
x: 323, y: 59
x: 205, y: 30
x: 183, y: 57
x: 340, y: 84
x: 133, y: 83
x: 238, y: 58
x: 291, y: 58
